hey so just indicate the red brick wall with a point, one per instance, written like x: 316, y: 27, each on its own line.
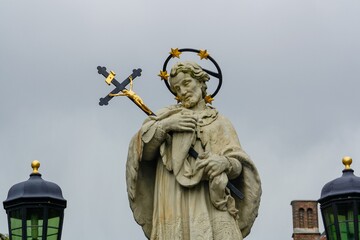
x: 305, y: 220
x: 302, y: 220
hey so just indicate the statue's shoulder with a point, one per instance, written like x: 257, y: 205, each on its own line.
x: 222, y: 122
x: 168, y: 110
x: 223, y: 118
x: 220, y: 117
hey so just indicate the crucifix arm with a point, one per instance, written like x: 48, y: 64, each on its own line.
x: 117, y: 94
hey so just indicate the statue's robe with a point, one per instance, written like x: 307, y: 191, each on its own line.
x: 171, y: 199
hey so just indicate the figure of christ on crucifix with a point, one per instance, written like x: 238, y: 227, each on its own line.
x: 172, y: 194
x: 133, y: 96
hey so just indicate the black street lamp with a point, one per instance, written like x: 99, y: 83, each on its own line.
x: 340, y: 205
x: 35, y: 208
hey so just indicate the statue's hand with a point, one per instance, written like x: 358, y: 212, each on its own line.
x: 214, y: 164
x: 179, y: 122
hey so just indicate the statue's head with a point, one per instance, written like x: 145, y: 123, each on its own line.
x: 191, y: 71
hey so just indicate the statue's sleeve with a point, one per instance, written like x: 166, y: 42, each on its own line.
x: 242, y: 174
x: 248, y: 182
x: 140, y: 181
x: 140, y: 174
x: 225, y: 142
x: 152, y: 136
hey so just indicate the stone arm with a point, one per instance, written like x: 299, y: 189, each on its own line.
x: 225, y: 153
x: 235, y: 156
x: 232, y: 150
x: 152, y: 139
x: 159, y: 129
x: 228, y: 161
x: 234, y: 169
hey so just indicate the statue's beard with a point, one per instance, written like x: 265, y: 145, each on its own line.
x: 189, y: 102
x: 191, y: 99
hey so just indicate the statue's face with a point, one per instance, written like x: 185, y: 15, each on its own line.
x: 187, y: 88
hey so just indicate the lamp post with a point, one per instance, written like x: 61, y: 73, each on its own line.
x: 35, y: 208
x: 340, y: 205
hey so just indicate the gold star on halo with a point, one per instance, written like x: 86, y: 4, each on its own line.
x: 208, y: 99
x: 203, y: 54
x: 175, y: 52
x: 177, y: 99
x: 164, y: 75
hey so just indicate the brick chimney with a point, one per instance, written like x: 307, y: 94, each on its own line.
x: 305, y: 220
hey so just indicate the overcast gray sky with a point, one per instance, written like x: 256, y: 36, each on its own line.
x: 291, y: 88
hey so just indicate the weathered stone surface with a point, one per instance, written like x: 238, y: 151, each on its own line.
x: 173, y: 195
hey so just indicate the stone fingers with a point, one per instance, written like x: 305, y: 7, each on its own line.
x: 201, y: 164
x: 186, y: 123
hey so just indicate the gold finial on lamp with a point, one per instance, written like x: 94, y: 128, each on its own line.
x: 35, y: 166
x: 347, y: 162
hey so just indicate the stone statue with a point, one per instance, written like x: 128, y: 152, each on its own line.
x: 174, y: 196
x: 3, y: 237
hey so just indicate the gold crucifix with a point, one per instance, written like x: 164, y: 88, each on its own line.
x: 133, y: 96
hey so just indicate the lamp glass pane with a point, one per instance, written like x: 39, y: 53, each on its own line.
x: 16, y: 224
x: 34, y: 223
x: 53, y: 224
x: 346, y: 220
x: 330, y: 223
